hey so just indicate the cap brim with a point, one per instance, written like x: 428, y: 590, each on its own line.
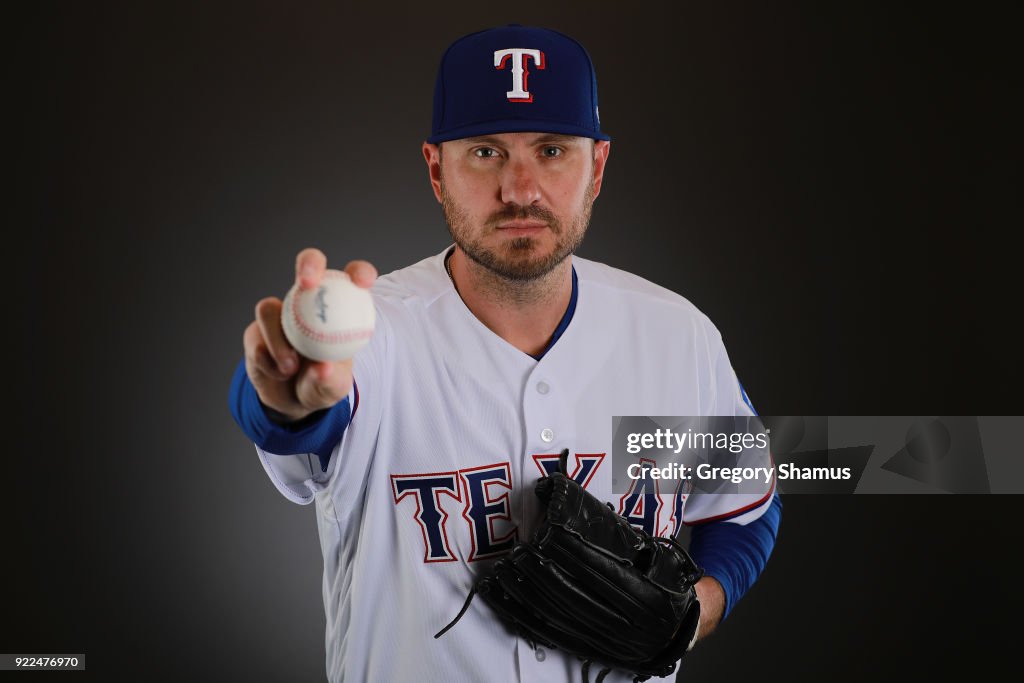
x: 516, y: 126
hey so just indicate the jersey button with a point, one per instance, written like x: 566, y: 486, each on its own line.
x: 547, y: 435
x: 543, y: 387
x: 540, y: 654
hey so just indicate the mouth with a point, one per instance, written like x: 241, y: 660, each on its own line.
x: 521, y: 228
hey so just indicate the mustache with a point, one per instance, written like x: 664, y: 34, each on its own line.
x: 520, y: 213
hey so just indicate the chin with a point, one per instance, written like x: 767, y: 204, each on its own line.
x: 526, y: 266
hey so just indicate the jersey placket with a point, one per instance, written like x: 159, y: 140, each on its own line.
x: 549, y: 428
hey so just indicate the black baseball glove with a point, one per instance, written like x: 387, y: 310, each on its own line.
x: 591, y: 584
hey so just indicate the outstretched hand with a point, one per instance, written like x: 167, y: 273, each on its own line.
x: 285, y: 381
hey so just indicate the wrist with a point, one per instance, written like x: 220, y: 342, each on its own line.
x: 712, y: 605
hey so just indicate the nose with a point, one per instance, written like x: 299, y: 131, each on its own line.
x: 519, y: 183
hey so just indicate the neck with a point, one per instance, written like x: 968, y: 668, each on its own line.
x: 525, y: 314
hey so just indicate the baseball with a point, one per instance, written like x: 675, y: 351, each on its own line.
x: 330, y: 322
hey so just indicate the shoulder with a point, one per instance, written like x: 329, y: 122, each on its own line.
x: 640, y: 297
x: 422, y: 282
x: 599, y: 276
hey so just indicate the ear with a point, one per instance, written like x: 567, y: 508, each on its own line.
x: 602, y: 148
x: 432, y: 155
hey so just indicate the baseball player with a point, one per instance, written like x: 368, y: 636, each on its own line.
x: 489, y: 360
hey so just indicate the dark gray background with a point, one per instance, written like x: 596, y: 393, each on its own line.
x: 829, y: 184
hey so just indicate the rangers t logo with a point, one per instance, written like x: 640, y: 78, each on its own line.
x: 520, y: 72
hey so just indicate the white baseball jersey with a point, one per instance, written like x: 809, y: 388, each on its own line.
x: 434, y: 477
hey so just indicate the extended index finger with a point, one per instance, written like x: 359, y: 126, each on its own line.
x: 310, y: 265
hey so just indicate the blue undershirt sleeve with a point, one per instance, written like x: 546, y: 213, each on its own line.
x: 319, y: 433
x: 735, y: 554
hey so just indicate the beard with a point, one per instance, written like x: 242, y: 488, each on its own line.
x: 519, y: 259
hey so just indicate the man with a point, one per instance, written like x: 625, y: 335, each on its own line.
x: 488, y: 360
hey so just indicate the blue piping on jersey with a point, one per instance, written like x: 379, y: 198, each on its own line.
x: 563, y: 324
x: 746, y: 399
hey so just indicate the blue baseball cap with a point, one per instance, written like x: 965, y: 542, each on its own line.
x: 513, y: 79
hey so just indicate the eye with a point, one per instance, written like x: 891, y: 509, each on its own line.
x: 551, y: 151
x: 485, y: 152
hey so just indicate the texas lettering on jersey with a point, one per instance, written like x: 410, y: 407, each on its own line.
x: 481, y: 495
x: 644, y: 505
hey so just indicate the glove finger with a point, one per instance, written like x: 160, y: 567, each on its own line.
x: 532, y: 608
x: 537, y: 629
x: 565, y: 592
x: 519, y: 606
x: 567, y: 607
x: 528, y: 620
x: 645, y: 605
x: 522, y: 616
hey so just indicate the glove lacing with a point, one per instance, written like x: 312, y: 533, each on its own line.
x: 465, y: 606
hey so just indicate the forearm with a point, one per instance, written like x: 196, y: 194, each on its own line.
x: 735, y: 555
